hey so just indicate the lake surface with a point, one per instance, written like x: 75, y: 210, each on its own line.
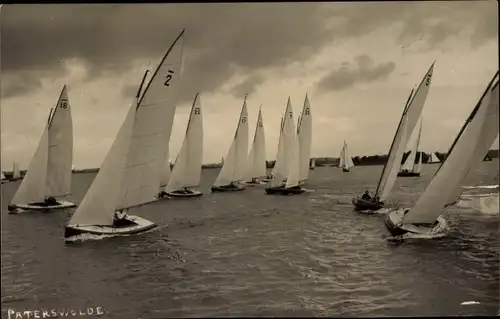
x: 251, y: 254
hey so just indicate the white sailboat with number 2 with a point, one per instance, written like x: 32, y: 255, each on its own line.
x: 130, y: 173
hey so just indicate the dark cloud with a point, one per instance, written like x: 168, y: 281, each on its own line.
x: 248, y: 86
x: 221, y: 38
x: 348, y: 74
x: 18, y: 84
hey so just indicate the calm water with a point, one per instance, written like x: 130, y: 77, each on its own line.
x: 251, y: 254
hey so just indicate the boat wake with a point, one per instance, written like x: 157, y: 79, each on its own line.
x: 481, y: 187
x: 308, y: 190
x: 92, y: 237
x: 413, y: 236
x: 485, y: 203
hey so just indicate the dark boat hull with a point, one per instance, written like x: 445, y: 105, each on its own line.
x: 184, y: 195
x: 361, y: 204
x: 134, y: 225
x: 408, y: 174
x: 234, y: 188
x: 281, y: 190
x: 345, y: 170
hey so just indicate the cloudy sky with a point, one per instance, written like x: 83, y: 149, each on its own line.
x: 357, y: 61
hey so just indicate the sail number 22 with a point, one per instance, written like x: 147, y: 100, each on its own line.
x: 168, y: 78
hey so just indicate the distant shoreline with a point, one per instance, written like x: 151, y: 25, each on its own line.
x: 319, y: 161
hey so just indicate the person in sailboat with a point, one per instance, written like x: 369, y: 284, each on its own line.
x: 185, y: 190
x: 50, y: 201
x: 120, y: 218
x: 377, y: 200
x: 366, y: 196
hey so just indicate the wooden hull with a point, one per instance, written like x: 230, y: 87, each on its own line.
x: 395, y: 225
x: 227, y: 188
x: 281, y: 190
x: 136, y: 225
x: 408, y: 174
x: 361, y: 204
x: 184, y: 195
x: 16, y: 209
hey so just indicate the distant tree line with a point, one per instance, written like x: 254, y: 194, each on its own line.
x: 321, y: 161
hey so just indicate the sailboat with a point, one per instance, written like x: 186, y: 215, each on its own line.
x: 345, y: 161
x: 433, y: 159
x: 278, y: 167
x: 304, y: 135
x: 289, y: 161
x: 312, y: 164
x: 187, y: 168
x: 49, y: 172
x: 411, y: 114
x: 256, y: 167
x: 130, y: 174
x: 233, y: 169
x: 409, y: 167
x: 479, y: 130
x: 15, y: 174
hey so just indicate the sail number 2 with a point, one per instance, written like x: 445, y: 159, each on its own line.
x: 168, y: 78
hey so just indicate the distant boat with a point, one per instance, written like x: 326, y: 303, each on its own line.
x: 304, y: 135
x: 233, y: 169
x: 130, y: 174
x: 409, y: 167
x: 256, y: 167
x: 290, y: 168
x: 479, y: 131
x: 345, y: 161
x: 411, y: 114
x: 312, y: 164
x: 49, y: 172
x: 187, y: 168
x: 487, y: 158
x: 15, y: 175
x: 433, y: 159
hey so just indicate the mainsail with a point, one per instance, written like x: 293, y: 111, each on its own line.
x: 49, y: 172
x: 460, y: 159
x: 257, y: 157
x: 187, y: 167
x: 411, y: 114
x: 148, y: 150
x: 304, y: 132
x: 233, y: 168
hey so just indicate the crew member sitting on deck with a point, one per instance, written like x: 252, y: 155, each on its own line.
x: 161, y: 194
x: 49, y: 201
x: 366, y: 196
x: 119, y: 218
x: 377, y: 200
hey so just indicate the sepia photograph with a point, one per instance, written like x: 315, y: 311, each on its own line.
x: 249, y: 159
